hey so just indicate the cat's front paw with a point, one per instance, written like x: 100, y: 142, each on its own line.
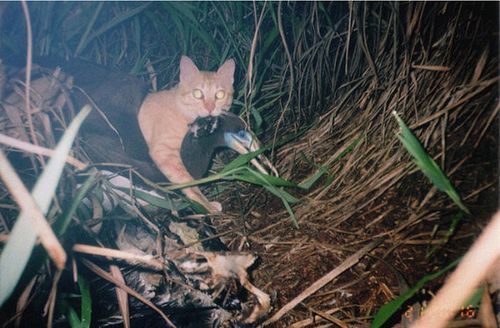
x: 215, y: 208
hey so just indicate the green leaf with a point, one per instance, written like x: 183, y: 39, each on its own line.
x: 160, y: 202
x: 258, y: 178
x: 63, y: 222
x: 183, y: 15
x: 451, y: 230
x: 271, y: 37
x: 85, y: 37
x: 475, y: 299
x: 282, y: 194
x: 291, y: 213
x: 73, y: 319
x: 109, y: 25
x: 323, y: 169
x: 386, y: 311
x: 285, y: 197
x: 17, y: 251
x: 426, y: 164
x: 242, y: 160
x: 309, y: 182
x: 86, y: 308
x: 257, y: 117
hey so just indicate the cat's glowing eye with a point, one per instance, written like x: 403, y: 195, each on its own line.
x: 197, y: 93
x: 220, y: 94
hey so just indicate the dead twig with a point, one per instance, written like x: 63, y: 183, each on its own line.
x: 31, y: 148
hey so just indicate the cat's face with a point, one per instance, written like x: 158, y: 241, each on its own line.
x: 205, y: 93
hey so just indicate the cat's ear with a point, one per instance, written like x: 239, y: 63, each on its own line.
x: 188, y: 69
x: 226, y: 71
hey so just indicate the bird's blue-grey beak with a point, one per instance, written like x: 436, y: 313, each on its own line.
x: 244, y: 142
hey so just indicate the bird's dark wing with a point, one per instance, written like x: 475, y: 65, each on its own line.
x: 205, y: 135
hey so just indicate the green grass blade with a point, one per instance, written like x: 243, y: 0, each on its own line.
x: 17, y: 251
x: 451, y: 230
x: 257, y: 117
x: 426, y: 164
x: 63, y: 222
x: 261, y: 179
x: 309, y: 182
x: 258, y: 178
x: 187, y: 22
x: 289, y: 210
x: 86, y: 307
x: 84, y: 39
x: 109, y: 25
x: 323, y: 169
x: 388, y: 310
x: 73, y: 319
x: 474, y: 300
x: 242, y: 160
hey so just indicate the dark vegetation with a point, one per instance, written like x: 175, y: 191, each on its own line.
x: 318, y: 82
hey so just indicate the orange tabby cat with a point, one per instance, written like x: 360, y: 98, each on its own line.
x: 164, y: 117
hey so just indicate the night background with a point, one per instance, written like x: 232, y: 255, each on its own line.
x: 317, y: 83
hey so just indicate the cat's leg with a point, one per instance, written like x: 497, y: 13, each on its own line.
x: 170, y: 164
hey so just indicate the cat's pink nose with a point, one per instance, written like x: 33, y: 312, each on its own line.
x: 209, y: 106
